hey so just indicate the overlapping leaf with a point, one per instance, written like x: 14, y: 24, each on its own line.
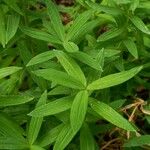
x: 36, y: 122
x: 78, y: 110
x: 53, y: 107
x: 71, y: 67
x: 110, y: 115
x: 59, y: 77
x: 113, y: 79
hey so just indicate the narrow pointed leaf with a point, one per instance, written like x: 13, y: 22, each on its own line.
x: 59, y: 77
x: 4, y: 72
x: 50, y: 136
x: 10, y: 129
x: 36, y: 122
x: 53, y: 107
x: 131, y: 46
x: 110, y: 34
x: 71, y: 67
x: 10, y: 100
x: 64, y: 137
x: 59, y: 90
x: 12, y: 26
x: 140, y: 24
x: 86, y: 139
x: 2, y: 28
x: 12, y: 4
x: 113, y: 79
x: 138, y: 141
x: 78, y: 23
x: 36, y: 147
x: 70, y: 47
x: 87, y: 59
x: 12, y: 144
x: 40, y: 58
x: 40, y: 35
x: 55, y: 19
x: 110, y: 115
x: 78, y: 110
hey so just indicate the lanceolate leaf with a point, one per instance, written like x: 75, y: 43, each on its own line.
x: 50, y: 136
x: 70, y: 47
x: 103, y: 8
x: 64, y: 137
x: 40, y: 58
x: 41, y: 35
x: 71, y: 67
x: 53, y: 107
x: 78, y: 23
x: 10, y: 129
x: 4, y: 72
x: 12, y: 144
x: 86, y: 139
x: 110, y: 115
x: 59, y: 77
x: 140, y: 24
x: 2, y: 28
x: 78, y: 110
x: 36, y: 147
x: 87, y: 59
x: 113, y: 79
x: 12, y: 26
x: 110, y: 34
x: 10, y: 100
x: 59, y: 90
x: 131, y: 46
x: 138, y: 141
x: 36, y: 122
x: 55, y: 19
x: 12, y: 4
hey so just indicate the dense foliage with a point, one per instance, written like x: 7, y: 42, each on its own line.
x: 74, y: 74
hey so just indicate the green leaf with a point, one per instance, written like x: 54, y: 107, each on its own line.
x: 50, y: 136
x: 122, y: 1
x: 110, y: 115
x: 138, y: 141
x: 36, y: 147
x: 71, y: 67
x: 36, y: 122
x: 86, y: 28
x: 59, y: 90
x: 12, y: 4
x: 140, y: 24
x: 53, y: 107
x: 12, y: 143
x: 59, y: 77
x: 40, y: 35
x: 70, y: 47
x: 78, y: 23
x: 2, y: 28
x: 11, y: 100
x: 87, y: 59
x: 78, y: 110
x: 104, y: 8
x: 86, y: 139
x: 4, y: 72
x: 131, y: 46
x: 55, y: 19
x: 12, y: 26
x: 10, y: 129
x: 113, y: 79
x: 40, y: 58
x: 134, y: 5
x: 64, y: 137
x: 110, y: 34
